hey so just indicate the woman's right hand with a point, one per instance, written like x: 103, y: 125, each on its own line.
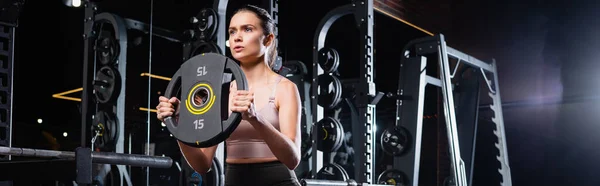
x: 166, y: 107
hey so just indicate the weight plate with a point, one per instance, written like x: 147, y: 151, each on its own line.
x: 395, y: 140
x: 328, y: 59
x: 296, y: 67
x: 207, y: 23
x: 200, y: 123
x: 107, y: 85
x: 202, y: 47
x: 392, y: 177
x: 329, y: 134
x: 106, y: 125
x: 332, y: 171
x: 107, y: 48
x: 329, y: 91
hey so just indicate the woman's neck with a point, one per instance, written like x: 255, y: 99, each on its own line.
x: 256, y: 73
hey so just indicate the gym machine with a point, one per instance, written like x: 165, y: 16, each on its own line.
x: 461, y: 137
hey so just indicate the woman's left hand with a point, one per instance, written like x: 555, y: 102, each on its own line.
x: 243, y: 102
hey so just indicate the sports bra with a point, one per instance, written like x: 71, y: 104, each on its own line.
x: 245, y: 141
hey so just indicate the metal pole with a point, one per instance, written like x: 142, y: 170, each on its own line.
x: 97, y: 157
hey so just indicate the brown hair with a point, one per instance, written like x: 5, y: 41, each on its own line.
x: 268, y: 25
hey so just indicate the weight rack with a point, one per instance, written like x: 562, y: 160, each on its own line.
x: 366, y: 97
x: 415, y: 63
x: 89, y: 106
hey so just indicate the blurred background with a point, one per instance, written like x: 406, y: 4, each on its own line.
x: 546, y: 52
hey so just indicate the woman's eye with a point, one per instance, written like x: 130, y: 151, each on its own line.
x: 248, y: 29
x: 231, y: 32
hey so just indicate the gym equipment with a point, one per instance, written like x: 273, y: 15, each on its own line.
x: 392, y: 177
x: 349, y: 182
x: 332, y: 171
x: 106, y: 130
x: 330, y: 134
x: 306, y: 146
x: 206, y: 22
x: 204, y: 99
x: 417, y: 50
x: 84, y: 158
x: 467, y: 116
x: 107, y: 85
x: 395, y: 140
x: 329, y: 60
x: 330, y: 91
x: 364, y: 137
x: 107, y: 48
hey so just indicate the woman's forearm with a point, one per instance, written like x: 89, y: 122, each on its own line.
x: 284, y: 148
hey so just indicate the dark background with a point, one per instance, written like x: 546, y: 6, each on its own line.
x: 546, y: 50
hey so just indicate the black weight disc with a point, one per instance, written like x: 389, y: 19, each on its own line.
x: 201, y: 80
x: 329, y: 59
x: 328, y: 134
x: 329, y: 91
x: 106, y: 124
x: 107, y: 85
x: 392, y: 177
x: 395, y: 141
x: 207, y: 23
x: 202, y: 47
x: 296, y: 67
x: 107, y: 48
x: 332, y: 171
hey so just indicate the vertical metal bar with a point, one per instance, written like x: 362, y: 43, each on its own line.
x: 88, y: 58
x: 498, y: 119
x: 449, y: 113
x: 149, y: 89
x: 365, y: 153
x: 11, y: 63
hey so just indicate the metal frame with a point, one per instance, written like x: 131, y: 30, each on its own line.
x: 89, y: 68
x: 6, y: 108
x: 364, y: 161
x: 437, y: 44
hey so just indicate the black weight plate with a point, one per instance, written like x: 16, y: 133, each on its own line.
x: 107, y: 85
x: 395, y: 141
x: 392, y: 177
x: 207, y: 23
x: 328, y: 134
x: 341, y: 134
x: 332, y: 171
x: 328, y: 59
x: 108, y: 132
x: 202, y: 47
x: 107, y: 48
x: 296, y: 67
x: 330, y: 91
x: 200, y: 123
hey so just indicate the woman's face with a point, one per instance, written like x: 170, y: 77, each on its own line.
x: 246, y: 39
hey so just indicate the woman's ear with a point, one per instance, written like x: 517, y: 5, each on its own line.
x: 269, y: 40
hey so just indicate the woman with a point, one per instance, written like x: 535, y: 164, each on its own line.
x: 265, y: 148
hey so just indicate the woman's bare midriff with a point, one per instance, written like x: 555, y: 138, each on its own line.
x: 250, y: 160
